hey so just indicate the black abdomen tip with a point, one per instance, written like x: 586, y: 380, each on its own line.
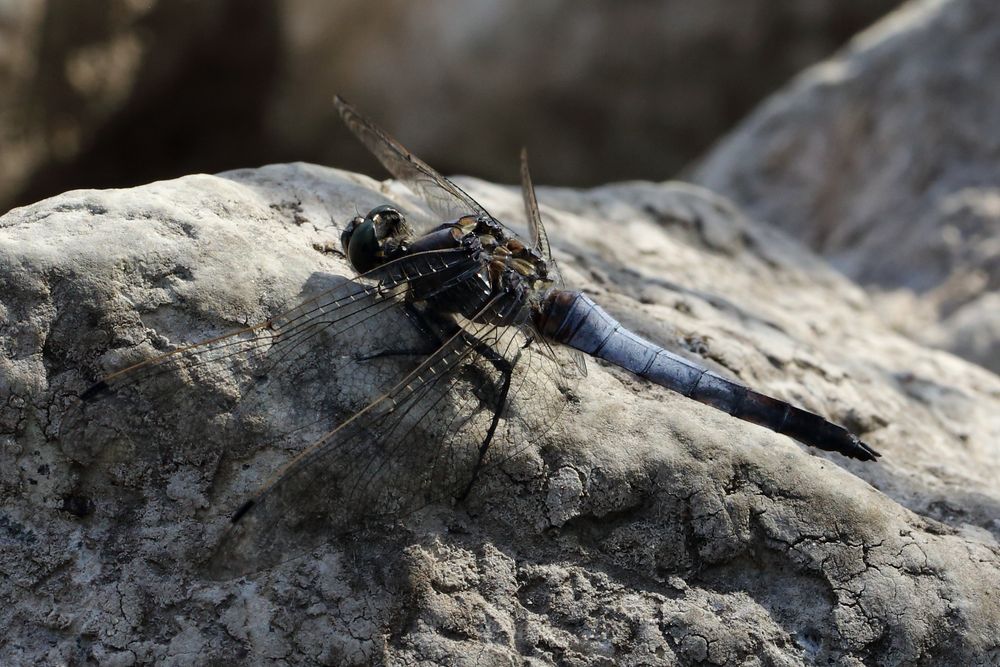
x: 94, y: 391
x: 864, y: 451
x: 243, y: 509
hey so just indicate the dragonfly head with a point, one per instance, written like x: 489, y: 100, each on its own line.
x: 369, y: 241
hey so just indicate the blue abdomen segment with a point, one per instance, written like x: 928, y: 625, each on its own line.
x: 573, y: 319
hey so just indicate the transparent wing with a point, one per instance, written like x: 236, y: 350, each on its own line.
x: 540, y: 241
x: 442, y: 196
x: 484, y: 395
x: 282, y: 365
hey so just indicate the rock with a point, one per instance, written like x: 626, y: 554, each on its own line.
x: 886, y: 159
x: 643, y: 528
x: 667, y: 79
x: 116, y: 93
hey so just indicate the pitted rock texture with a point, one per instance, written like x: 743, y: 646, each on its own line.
x: 886, y: 159
x: 643, y: 529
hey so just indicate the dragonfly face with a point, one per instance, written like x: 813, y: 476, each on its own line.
x: 375, y: 238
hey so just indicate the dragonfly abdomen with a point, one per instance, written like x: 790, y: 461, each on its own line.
x: 574, y: 319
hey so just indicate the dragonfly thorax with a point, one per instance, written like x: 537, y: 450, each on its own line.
x: 507, y: 279
x: 383, y: 235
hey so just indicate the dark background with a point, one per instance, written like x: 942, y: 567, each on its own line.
x: 113, y: 93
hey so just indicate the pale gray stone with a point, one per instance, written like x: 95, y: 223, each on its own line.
x: 642, y: 529
x: 886, y: 159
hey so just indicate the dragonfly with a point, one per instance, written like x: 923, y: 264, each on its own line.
x: 453, y: 348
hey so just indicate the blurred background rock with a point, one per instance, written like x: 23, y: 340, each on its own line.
x: 886, y: 159
x: 120, y: 92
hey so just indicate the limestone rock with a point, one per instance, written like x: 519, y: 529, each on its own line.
x: 642, y: 529
x: 886, y: 159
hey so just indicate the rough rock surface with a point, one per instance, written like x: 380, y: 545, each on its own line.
x: 886, y: 159
x: 643, y: 529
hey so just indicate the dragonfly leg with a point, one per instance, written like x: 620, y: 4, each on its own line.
x: 505, y: 368
x: 436, y: 329
x: 443, y: 328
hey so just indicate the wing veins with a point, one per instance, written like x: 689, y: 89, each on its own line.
x: 413, y: 400
x: 442, y: 195
x: 399, y: 390
x: 272, y: 330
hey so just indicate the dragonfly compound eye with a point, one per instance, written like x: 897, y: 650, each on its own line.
x: 365, y: 239
x: 360, y: 244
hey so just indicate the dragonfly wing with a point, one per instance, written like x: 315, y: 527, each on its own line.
x: 480, y: 398
x: 540, y: 240
x: 442, y: 196
x: 282, y: 365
